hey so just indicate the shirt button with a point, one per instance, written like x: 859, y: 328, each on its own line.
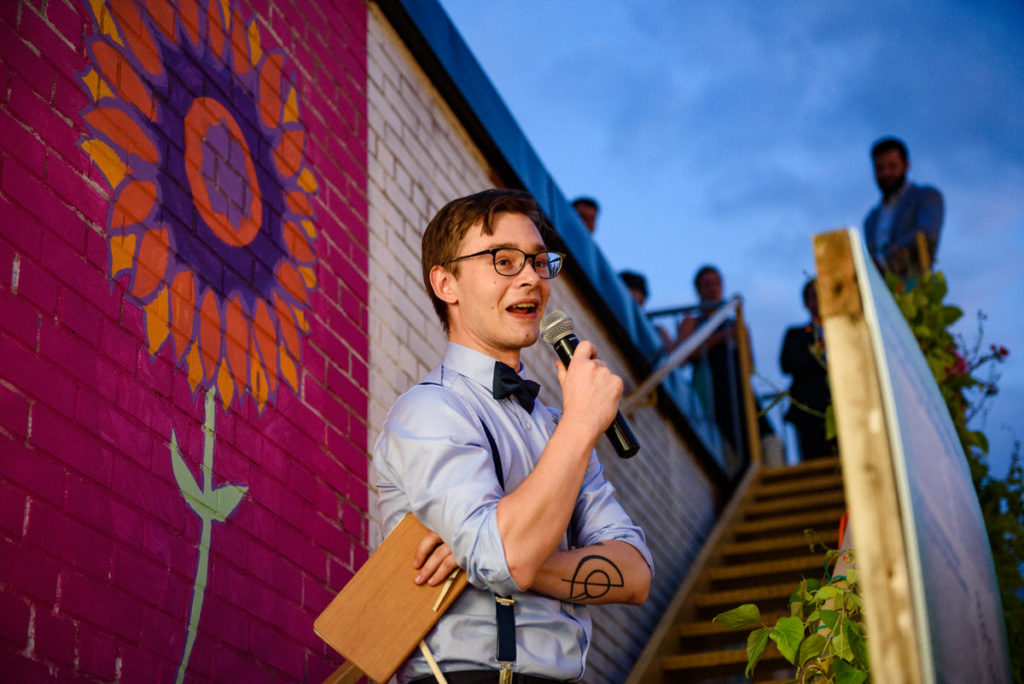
x: 529, y: 426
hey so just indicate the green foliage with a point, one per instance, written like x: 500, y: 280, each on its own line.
x: 823, y: 636
x: 967, y: 378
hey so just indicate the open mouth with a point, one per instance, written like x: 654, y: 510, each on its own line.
x: 523, y: 308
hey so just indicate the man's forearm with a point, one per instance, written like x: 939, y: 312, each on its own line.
x: 608, y: 572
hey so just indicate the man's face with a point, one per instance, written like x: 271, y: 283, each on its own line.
x: 709, y: 287
x: 491, y: 313
x: 890, y: 171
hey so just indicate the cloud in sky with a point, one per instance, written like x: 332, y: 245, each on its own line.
x: 732, y: 131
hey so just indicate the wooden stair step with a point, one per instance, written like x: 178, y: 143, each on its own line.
x: 773, y: 567
x: 815, y: 466
x: 830, y: 537
x: 799, y: 521
x: 737, y: 597
x: 767, y: 490
x: 729, y: 656
x: 795, y: 503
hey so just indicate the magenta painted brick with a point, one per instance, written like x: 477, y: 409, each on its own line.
x: 177, y: 549
x: 38, y: 286
x: 29, y: 571
x: 54, y: 637
x: 71, y: 541
x: 32, y: 70
x: 281, y: 653
x: 14, y: 411
x: 20, y: 229
x: 97, y: 654
x: 98, y: 603
x: 20, y: 319
x: 38, y: 475
x: 69, y: 20
x: 87, y: 499
x: 12, y: 505
x: 18, y: 668
x: 14, y: 616
x: 19, y: 143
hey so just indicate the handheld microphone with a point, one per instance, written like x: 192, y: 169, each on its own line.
x: 557, y: 330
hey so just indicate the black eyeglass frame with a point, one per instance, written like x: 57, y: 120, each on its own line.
x: 532, y: 258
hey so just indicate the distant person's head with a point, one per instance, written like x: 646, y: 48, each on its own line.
x: 708, y: 283
x: 637, y: 285
x: 587, y: 208
x: 811, y: 297
x: 891, y: 161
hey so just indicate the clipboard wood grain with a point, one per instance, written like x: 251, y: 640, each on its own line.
x: 380, y: 616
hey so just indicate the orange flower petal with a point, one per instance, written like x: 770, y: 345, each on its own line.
x: 239, y: 44
x: 236, y: 336
x: 255, y: 47
x: 135, y: 32
x: 122, y: 253
x: 190, y: 19
x: 298, y: 203
x: 288, y: 153
x: 122, y: 131
x: 270, y: 89
x: 295, y: 241
x: 183, y: 311
x: 288, y: 369
x: 133, y: 204
x: 308, y: 276
x: 163, y: 16
x: 257, y: 378
x: 209, y: 333
x: 119, y: 72
x: 225, y: 386
x: 151, y: 263
x: 292, y: 282
x: 215, y: 28
x: 265, y: 334
x: 289, y: 333
x: 195, y: 366
x: 156, y: 321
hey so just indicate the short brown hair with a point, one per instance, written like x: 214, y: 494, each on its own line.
x: 446, y: 230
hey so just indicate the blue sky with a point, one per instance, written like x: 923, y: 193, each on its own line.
x: 730, y: 132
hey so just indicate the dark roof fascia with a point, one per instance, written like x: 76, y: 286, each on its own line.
x: 438, y: 47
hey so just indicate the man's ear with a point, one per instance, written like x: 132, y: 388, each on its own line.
x: 444, y: 284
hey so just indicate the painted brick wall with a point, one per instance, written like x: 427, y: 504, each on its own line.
x: 183, y: 341
x: 420, y: 157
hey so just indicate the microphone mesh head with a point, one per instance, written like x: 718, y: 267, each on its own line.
x: 554, y: 326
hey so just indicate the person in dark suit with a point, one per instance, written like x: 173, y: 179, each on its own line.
x: 803, y: 357
x: 891, y: 228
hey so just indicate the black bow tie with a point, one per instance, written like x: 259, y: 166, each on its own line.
x: 507, y: 381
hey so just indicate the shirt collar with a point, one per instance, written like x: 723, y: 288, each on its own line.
x: 476, y: 366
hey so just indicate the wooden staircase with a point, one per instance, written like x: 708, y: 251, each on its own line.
x: 757, y: 553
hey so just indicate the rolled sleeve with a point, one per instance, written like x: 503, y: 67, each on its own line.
x: 433, y: 460
x: 598, y: 517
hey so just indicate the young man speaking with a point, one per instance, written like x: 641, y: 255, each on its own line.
x: 513, y: 490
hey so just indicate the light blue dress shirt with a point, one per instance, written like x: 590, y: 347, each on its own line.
x: 433, y: 459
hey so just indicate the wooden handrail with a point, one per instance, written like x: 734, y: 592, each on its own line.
x: 679, y: 355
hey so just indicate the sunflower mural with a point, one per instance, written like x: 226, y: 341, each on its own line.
x: 196, y: 128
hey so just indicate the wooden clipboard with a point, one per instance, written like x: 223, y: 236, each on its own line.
x: 380, y: 616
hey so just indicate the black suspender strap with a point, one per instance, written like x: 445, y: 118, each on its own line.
x: 504, y: 606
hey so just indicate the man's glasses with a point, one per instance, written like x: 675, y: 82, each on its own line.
x: 509, y: 261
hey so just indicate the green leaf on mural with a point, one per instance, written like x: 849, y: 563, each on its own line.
x: 186, y: 482
x: 225, y: 500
